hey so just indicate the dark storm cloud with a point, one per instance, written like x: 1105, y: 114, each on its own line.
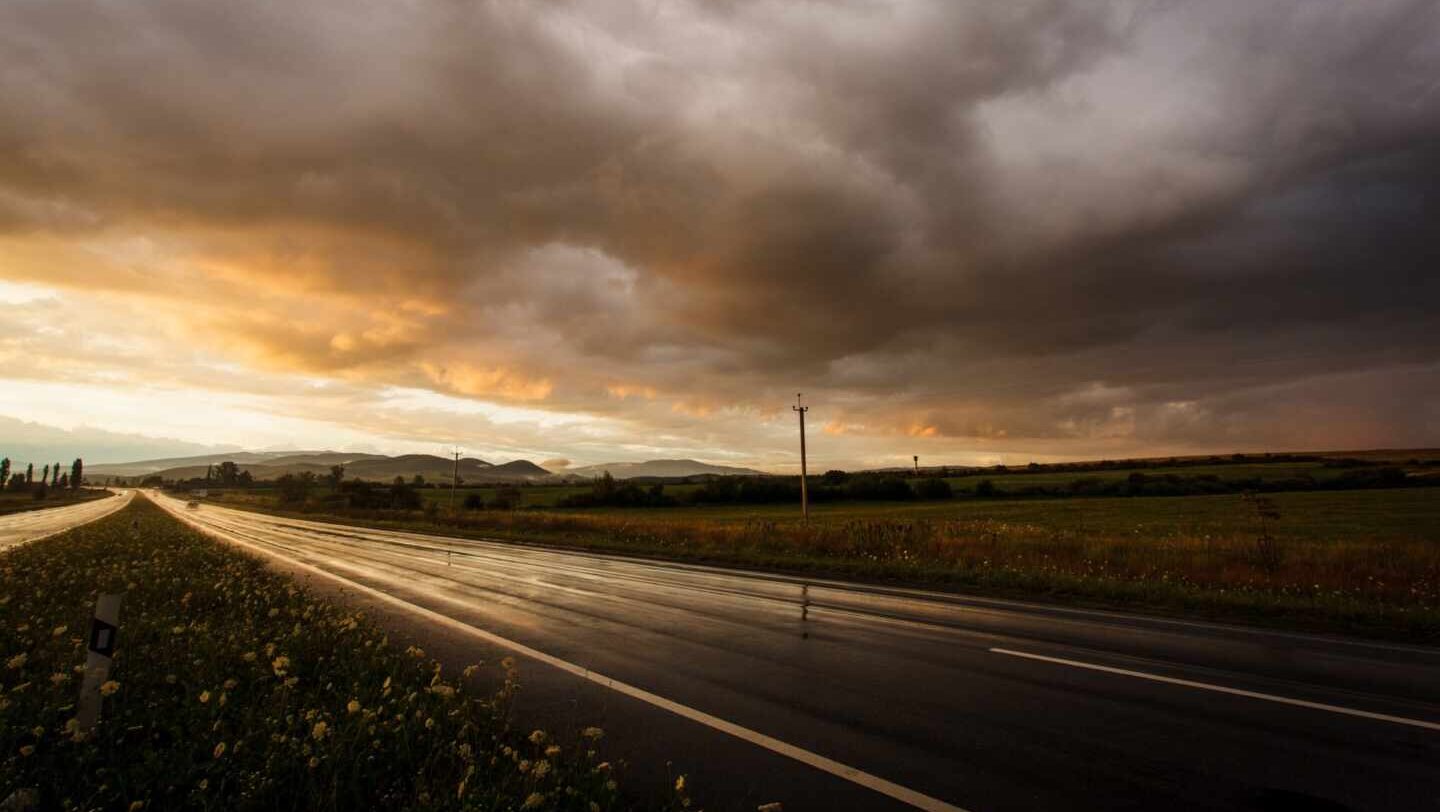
x: 1035, y: 219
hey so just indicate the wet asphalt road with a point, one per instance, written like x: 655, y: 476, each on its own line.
x: 30, y: 525
x: 825, y: 695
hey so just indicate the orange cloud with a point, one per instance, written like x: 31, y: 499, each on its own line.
x: 497, y: 381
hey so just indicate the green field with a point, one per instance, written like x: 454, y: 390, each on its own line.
x: 1371, y: 515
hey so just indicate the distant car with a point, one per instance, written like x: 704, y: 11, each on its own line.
x: 193, y: 505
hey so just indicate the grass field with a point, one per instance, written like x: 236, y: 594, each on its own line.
x: 17, y: 501
x: 1365, y: 562
x: 235, y: 689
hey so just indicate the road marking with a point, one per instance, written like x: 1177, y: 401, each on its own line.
x: 1207, y: 686
x: 852, y: 774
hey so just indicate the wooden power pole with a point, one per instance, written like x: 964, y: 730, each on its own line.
x: 917, y: 465
x: 804, y: 489
x: 454, y: 481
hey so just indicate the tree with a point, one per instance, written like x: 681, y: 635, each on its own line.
x: 4, y: 471
x: 45, y: 472
x: 62, y: 482
x: 246, y: 479
x: 77, y: 472
x: 228, y: 473
x: 418, y: 481
x: 29, y: 472
x: 337, y: 475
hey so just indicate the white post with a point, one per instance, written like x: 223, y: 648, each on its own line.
x: 103, y: 631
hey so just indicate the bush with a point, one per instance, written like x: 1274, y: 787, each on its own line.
x: 934, y: 488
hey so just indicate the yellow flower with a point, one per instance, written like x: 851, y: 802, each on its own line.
x: 353, y: 707
x: 204, y: 697
x: 110, y: 687
x: 533, y: 801
x: 592, y: 733
x: 59, y: 630
x: 281, y: 664
x: 314, y: 762
x: 220, y: 749
x: 319, y: 731
x: 27, y: 750
x: 680, y: 784
x: 541, y: 768
x: 537, y: 737
x: 136, y: 806
x: 18, y: 661
x: 553, y: 750
x: 230, y: 684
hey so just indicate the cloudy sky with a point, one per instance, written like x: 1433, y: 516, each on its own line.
x: 972, y: 231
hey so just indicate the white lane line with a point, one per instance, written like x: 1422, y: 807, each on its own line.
x: 1207, y: 686
x: 852, y: 774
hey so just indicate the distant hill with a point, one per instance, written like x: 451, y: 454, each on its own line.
x: 265, y: 465
x: 657, y: 468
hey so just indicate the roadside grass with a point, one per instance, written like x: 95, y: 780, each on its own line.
x: 1360, y: 562
x: 234, y: 688
x: 21, y: 501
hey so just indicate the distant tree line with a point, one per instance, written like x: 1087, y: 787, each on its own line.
x: 51, y: 478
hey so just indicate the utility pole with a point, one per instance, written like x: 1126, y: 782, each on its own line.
x: 454, y: 481
x: 917, y: 465
x: 804, y: 490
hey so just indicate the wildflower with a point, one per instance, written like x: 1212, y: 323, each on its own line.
x: 469, y: 671
x: 37, y: 731
x: 18, y: 661
x: 553, y: 750
x: 770, y: 807
x: 387, y: 683
x: 27, y: 749
x: 281, y: 664
x: 314, y: 762
x: 319, y: 731
x: 443, y: 690
x: 353, y: 706
x: 592, y: 733
x: 136, y: 806
x: 429, y: 723
x: 541, y: 768
x: 204, y: 784
x: 59, y: 630
x: 59, y: 677
x: 535, y: 800
x: 680, y: 784
x: 230, y: 684
x: 248, y: 656
x: 537, y: 737
x: 524, y: 765
x: 204, y: 697
x: 220, y: 749
x: 109, y: 687
x: 178, y: 630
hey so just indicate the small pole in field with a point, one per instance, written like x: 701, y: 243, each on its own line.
x: 917, y: 465
x: 454, y: 481
x: 103, y: 631
x: 804, y: 489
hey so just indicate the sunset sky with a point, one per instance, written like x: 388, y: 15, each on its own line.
x: 972, y: 231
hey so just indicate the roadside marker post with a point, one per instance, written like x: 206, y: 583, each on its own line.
x: 103, y: 631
